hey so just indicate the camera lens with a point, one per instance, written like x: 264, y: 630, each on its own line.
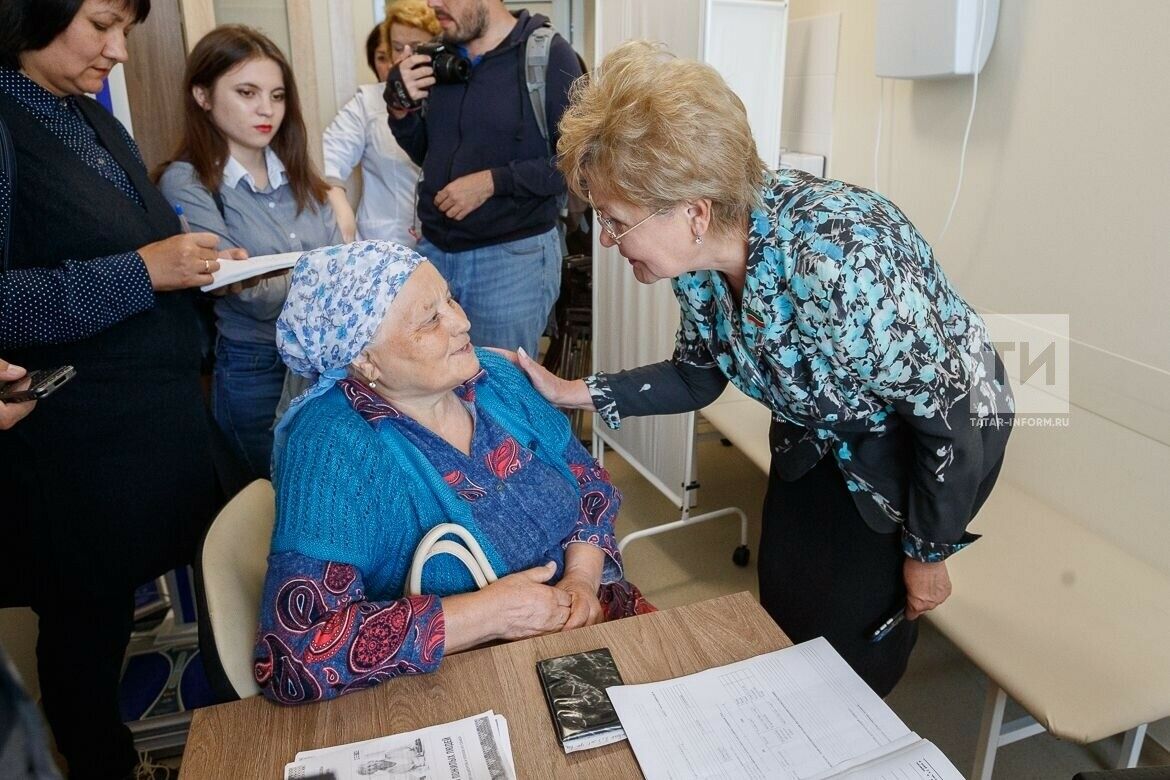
x: 450, y: 69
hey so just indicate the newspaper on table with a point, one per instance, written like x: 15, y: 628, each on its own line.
x: 475, y: 748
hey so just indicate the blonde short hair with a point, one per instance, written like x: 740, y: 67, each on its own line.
x: 412, y: 13
x: 655, y: 130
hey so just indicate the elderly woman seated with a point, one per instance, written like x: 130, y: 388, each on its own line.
x: 407, y: 427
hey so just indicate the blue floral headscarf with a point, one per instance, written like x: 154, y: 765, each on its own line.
x: 338, y: 297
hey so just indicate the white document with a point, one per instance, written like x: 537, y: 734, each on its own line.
x: 238, y: 270
x: 798, y: 713
x: 920, y: 760
x: 475, y: 748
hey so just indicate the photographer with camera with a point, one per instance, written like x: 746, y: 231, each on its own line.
x: 490, y: 194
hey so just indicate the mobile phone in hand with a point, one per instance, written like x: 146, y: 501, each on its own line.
x: 41, y: 384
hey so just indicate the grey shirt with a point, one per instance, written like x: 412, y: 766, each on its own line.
x: 263, y: 222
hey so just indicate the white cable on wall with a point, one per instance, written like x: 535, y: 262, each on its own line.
x: 970, y: 120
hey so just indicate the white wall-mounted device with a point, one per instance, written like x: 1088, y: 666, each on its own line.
x: 927, y: 39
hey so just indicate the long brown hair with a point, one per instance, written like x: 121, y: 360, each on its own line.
x: 206, y: 148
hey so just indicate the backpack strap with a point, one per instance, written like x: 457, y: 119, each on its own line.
x: 536, y: 54
x: 8, y: 166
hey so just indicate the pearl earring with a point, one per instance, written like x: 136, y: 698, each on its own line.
x: 373, y: 385
x: 698, y: 239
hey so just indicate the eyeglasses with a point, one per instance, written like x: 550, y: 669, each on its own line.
x: 608, y: 224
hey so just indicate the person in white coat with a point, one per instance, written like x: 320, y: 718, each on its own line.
x: 359, y: 134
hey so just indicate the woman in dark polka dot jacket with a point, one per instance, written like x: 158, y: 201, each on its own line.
x: 112, y: 480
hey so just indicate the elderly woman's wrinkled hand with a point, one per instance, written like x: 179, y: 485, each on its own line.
x: 524, y: 606
x: 586, y: 607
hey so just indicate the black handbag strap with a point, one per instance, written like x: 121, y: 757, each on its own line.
x: 8, y: 174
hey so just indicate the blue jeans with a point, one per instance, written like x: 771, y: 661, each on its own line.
x: 507, y: 290
x: 244, y: 395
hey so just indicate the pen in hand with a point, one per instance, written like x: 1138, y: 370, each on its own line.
x: 183, y: 223
x: 888, y: 625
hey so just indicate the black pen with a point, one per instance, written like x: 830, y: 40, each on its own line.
x: 888, y: 625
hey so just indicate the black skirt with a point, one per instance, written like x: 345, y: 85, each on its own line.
x: 824, y: 572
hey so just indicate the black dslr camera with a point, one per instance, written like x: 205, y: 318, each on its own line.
x: 450, y: 68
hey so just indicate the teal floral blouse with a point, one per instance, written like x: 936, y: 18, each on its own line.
x: 851, y: 334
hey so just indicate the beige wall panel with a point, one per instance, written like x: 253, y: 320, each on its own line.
x: 198, y: 19
x: 154, y: 81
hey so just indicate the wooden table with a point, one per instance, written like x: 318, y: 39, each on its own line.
x: 255, y: 738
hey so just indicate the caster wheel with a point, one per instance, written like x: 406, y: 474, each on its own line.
x: 741, y: 556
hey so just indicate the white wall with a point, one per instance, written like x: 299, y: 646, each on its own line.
x: 1063, y: 208
x: 810, y: 81
x: 268, y: 16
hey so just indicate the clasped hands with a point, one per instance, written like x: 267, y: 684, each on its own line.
x: 525, y: 606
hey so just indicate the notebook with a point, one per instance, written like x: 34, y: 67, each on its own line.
x: 574, y: 687
x: 231, y: 271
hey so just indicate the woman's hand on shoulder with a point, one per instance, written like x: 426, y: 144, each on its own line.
x: 566, y: 393
x: 522, y: 605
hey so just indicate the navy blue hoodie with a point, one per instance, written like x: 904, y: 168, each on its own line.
x: 488, y: 124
